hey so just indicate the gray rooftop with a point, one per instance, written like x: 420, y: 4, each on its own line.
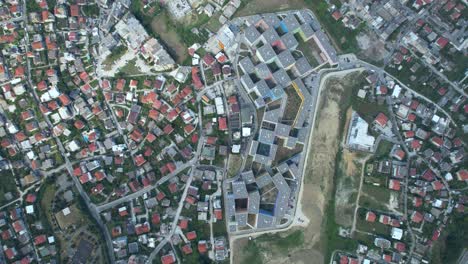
x: 259, y: 102
x: 302, y: 66
x: 282, y: 200
x: 277, y: 92
x: 262, y: 88
x: 252, y: 20
x: 282, y: 168
x: 291, y: 22
x: 265, y: 221
x: 251, y: 34
x: 266, y: 136
x: 305, y: 16
x: 271, y: 19
x: 241, y: 219
x: 248, y: 176
x: 272, y: 116
x: 289, y: 41
x: 230, y: 206
x: 263, y: 180
x: 247, y: 82
x: 266, y: 53
x: 254, y: 202
x: 253, y: 148
x: 262, y: 70
x: 282, y: 78
x: 270, y: 35
x: 247, y: 65
x: 280, y: 183
x: 286, y: 59
x: 328, y: 49
x: 306, y: 31
x: 282, y: 130
x: 239, y: 190
x: 291, y: 142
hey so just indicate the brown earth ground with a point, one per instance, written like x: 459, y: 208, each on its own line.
x: 317, y: 182
x: 372, y: 47
x: 170, y: 37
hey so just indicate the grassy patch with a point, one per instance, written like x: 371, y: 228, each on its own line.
x: 46, y: 195
x: 344, y: 38
x: 456, y: 239
x: 213, y: 24
x: 383, y: 149
x: 252, y: 253
x: 282, y: 243
x: 271, y: 243
x: 116, y: 54
x: 7, y: 184
x: 91, y: 10
x: 334, y: 241
x: 234, y: 164
x: 130, y: 68
x: 375, y: 197
x: 460, y: 62
x: 293, y: 104
x: 305, y: 47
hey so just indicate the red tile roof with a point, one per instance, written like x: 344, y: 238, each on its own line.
x: 222, y: 123
x: 394, y: 185
x: 74, y: 10
x: 183, y: 224
x: 155, y: 219
x: 168, y: 259
x: 416, y: 217
x: 41, y: 239
x: 462, y: 175
x: 202, y: 247
x: 218, y: 214
x: 370, y: 217
x: 442, y: 42
x: 187, y: 249
x: 191, y: 235
x: 30, y: 198
x: 381, y: 119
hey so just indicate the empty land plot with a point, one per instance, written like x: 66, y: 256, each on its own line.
x: 283, y: 153
x: 8, y: 185
x: 130, y: 68
x: 347, y: 184
x: 272, y: 248
x: 234, y: 165
x: 383, y: 150
x: 69, y: 217
x: 115, y: 55
x: 174, y: 44
x: 46, y: 197
x: 375, y: 197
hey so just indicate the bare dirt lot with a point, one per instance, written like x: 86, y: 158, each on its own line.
x: 372, y: 48
x: 170, y: 37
